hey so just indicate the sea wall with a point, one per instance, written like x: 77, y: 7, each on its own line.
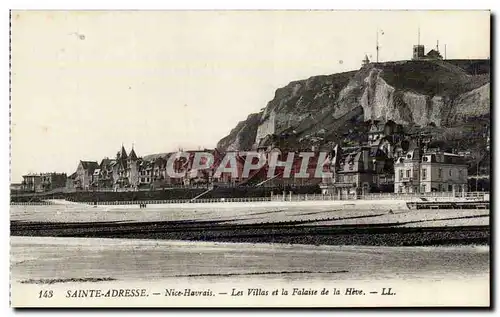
x: 170, y: 194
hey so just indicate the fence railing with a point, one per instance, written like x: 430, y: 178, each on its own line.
x: 155, y: 202
x: 31, y: 203
x: 384, y: 196
x: 183, y: 201
x: 474, y: 196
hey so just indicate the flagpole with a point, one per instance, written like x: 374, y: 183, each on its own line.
x: 377, y: 45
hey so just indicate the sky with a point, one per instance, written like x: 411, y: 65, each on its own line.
x: 84, y: 83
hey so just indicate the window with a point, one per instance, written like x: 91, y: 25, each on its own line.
x: 400, y: 189
x: 400, y: 174
x: 450, y: 188
x: 440, y: 173
x: 449, y: 172
x: 424, y: 173
x: 408, y: 173
x: 423, y: 189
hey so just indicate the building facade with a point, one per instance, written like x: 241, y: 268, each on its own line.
x: 125, y: 170
x: 51, y: 181
x: 85, y: 175
x: 431, y: 171
x: 407, y: 172
x: 360, y: 171
x: 43, y: 182
x: 353, y: 176
x: 32, y: 183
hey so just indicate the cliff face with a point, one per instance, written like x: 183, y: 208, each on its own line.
x: 242, y: 136
x: 322, y: 108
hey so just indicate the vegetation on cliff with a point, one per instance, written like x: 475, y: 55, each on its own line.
x: 450, y: 99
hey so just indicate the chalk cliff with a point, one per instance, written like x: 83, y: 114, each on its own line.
x: 321, y: 109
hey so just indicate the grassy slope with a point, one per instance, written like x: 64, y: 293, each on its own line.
x: 431, y: 77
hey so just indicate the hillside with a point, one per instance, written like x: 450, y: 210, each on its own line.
x: 320, y: 110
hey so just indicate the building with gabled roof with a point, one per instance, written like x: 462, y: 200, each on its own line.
x: 90, y: 165
x: 361, y: 170
x: 105, y: 177
x: 70, y: 181
x: 85, y: 174
x: 433, y: 54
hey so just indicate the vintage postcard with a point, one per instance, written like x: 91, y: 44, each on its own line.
x: 250, y: 159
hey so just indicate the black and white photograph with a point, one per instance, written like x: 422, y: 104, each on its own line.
x: 250, y: 158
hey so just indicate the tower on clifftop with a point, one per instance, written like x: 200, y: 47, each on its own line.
x: 418, y: 50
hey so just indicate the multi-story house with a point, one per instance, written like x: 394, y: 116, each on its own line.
x: 360, y: 171
x: 430, y: 171
x: 303, y: 164
x: 50, y: 181
x: 70, y: 182
x: 125, y: 170
x: 85, y: 174
x: 443, y: 172
x: 119, y: 168
x: 156, y: 169
x: 354, y: 175
x: 376, y: 133
x: 146, y: 170
x: 159, y: 174
x: 105, y: 177
x: 153, y: 170
x: 407, y: 172
x: 32, y: 183
x: 385, y: 136
x: 199, y: 176
x: 133, y: 168
x: 229, y: 178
